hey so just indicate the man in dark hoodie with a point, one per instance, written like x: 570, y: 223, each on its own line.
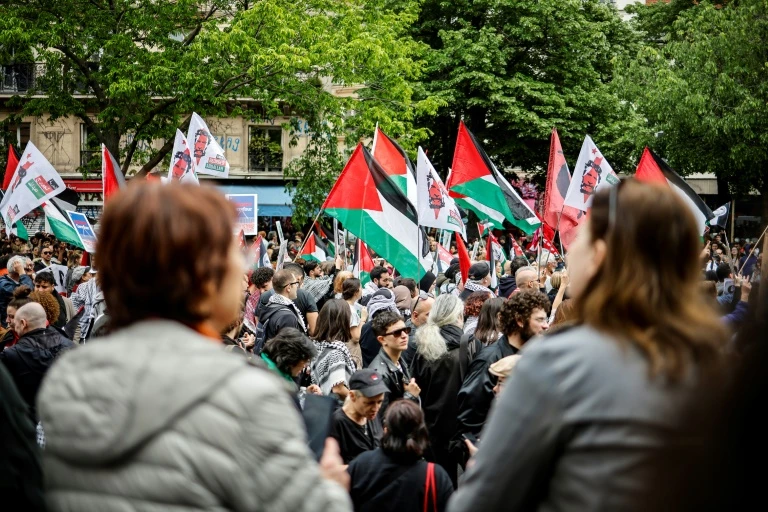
x: 280, y: 311
x: 507, y: 283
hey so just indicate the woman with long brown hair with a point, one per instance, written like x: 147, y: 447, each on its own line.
x: 589, y: 411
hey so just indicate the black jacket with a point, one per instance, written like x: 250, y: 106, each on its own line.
x: 383, y: 483
x: 507, y: 285
x: 369, y: 345
x: 275, y: 317
x: 393, y: 377
x: 440, y: 382
x: 476, y: 393
x: 410, y: 352
x: 62, y: 320
x: 21, y: 475
x: 29, y: 360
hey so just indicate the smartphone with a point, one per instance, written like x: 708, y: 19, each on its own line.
x: 472, y: 438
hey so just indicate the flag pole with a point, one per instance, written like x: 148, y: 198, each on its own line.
x: 754, y: 246
x: 730, y: 259
x: 306, y: 237
x: 732, y: 213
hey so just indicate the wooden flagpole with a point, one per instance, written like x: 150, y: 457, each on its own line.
x: 754, y: 246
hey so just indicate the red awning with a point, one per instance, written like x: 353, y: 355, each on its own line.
x: 85, y: 185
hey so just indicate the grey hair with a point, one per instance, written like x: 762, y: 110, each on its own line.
x: 15, y: 259
x: 447, y: 310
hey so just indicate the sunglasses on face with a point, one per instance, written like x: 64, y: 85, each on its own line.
x: 47, y: 252
x: 399, y: 332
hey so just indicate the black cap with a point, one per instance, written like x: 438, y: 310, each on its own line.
x: 479, y: 270
x: 368, y: 382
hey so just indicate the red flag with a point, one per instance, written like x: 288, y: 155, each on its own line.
x: 10, y: 166
x: 545, y: 240
x: 241, y: 241
x: 558, y: 181
x: 516, y: 247
x: 111, y: 175
x: 85, y: 260
x: 464, y: 262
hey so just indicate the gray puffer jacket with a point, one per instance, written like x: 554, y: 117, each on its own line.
x: 157, y: 417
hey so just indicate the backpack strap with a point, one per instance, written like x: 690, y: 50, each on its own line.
x: 464, y: 355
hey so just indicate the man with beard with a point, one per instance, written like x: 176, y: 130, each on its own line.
x: 523, y: 316
x: 591, y: 179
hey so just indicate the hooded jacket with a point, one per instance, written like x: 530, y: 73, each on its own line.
x: 30, y: 358
x: 158, y: 417
x: 507, y: 285
x: 275, y: 317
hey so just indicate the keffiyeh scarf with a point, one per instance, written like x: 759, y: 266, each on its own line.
x: 477, y: 287
x: 279, y: 299
x: 317, y: 286
x: 333, y: 365
x: 380, y: 303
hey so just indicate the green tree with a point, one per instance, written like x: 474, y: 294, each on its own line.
x: 514, y: 69
x: 139, y: 68
x: 700, y: 81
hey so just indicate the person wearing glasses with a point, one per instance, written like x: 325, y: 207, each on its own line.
x: 392, y: 334
x: 46, y: 259
x: 281, y: 311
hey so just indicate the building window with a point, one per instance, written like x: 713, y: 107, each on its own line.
x: 16, y: 134
x: 265, y: 149
x: 17, y: 77
x: 90, y: 151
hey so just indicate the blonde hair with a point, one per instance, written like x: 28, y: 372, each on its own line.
x: 447, y: 310
x: 555, y: 279
x: 338, y: 282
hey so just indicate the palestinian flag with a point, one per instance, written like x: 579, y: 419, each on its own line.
x: 371, y: 206
x: 444, y: 258
x: 483, y: 227
x: 20, y: 230
x: 554, y: 212
x: 653, y: 169
x: 260, y: 254
x: 395, y: 162
x: 10, y: 166
x: 111, y: 175
x: 58, y: 225
x: 314, y: 249
x: 363, y: 263
x: 476, y: 184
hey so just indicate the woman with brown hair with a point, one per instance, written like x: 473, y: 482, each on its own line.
x: 589, y: 411
x: 157, y: 414
x: 333, y: 366
x: 395, y: 477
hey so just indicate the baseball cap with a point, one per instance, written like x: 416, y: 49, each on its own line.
x: 479, y: 271
x: 368, y: 382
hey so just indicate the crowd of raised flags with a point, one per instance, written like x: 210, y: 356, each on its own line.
x: 380, y: 199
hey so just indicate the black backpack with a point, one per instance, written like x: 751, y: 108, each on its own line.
x: 261, y: 332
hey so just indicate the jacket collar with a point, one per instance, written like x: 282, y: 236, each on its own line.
x: 391, y: 366
x: 505, y: 347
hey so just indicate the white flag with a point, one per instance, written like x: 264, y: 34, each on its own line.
x: 436, y: 208
x: 592, y: 173
x: 182, y: 166
x: 207, y: 155
x: 34, y: 182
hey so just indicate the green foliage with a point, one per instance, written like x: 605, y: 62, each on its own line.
x: 140, y: 68
x: 705, y: 88
x: 514, y: 69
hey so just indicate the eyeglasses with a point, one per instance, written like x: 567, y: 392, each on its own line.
x: 47, y: 252
x: 293, y: 283
x: 399, y: 332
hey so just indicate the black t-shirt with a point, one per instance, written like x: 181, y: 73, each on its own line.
x: 304, y: 301
x: 355, y: 439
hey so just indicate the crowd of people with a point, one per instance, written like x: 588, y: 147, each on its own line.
x: 172, y: 375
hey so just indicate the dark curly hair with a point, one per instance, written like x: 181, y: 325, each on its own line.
x: 261, y: 276
x: 406, y: 433
x: 519, y: 308
x: 474, y: 303
x: 288, y: 348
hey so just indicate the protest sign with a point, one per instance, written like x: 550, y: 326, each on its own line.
x: 247, y: 208
x: 84, y: 231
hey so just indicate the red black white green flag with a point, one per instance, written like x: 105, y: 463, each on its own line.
x: 363, y: 263
x: 371, y: 206
x: 314, y: 249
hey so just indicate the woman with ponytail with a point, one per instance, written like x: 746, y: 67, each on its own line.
x: 395, y: 477
x: 437, y: 369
